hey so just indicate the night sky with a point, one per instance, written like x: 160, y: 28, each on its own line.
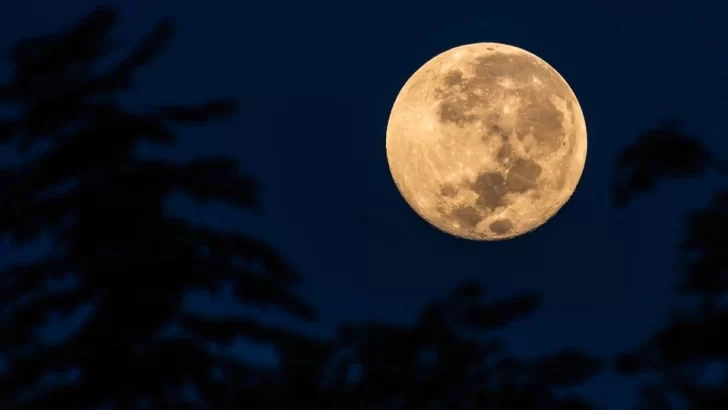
x: 316, y: 81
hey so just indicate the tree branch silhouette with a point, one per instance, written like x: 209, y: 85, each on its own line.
x: 450, y: 359
x: 694, y: 343
x: 662, y: 152
x: 131, y: 260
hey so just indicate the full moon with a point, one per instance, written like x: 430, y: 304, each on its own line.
x: 486, y: 141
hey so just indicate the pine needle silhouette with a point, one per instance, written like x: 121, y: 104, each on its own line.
x: 690, y: 354
x: 130, y: 260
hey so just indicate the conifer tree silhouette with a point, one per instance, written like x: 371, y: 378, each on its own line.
x: 128, y: 258
x: 690, y: 354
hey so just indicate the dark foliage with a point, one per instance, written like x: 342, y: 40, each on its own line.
x: 129, y: 259
x: 134, y: 263
x: 665, y: 151
x: 690, y: 354
x: 450, y: 359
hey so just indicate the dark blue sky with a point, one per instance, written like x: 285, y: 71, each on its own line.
x: 316, y: 81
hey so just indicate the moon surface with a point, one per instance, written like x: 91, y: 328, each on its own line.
x: 486, y: 141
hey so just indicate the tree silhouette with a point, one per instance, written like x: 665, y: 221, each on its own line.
x: 450, y: 359
x: 125, y: 255
x: 690, y: 354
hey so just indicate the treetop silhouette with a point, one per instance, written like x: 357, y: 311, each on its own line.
x: 130, y: 259
x: 450, y: 359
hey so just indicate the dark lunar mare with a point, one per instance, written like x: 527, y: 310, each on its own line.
x: 501, y: 226
x: 458, y: 96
